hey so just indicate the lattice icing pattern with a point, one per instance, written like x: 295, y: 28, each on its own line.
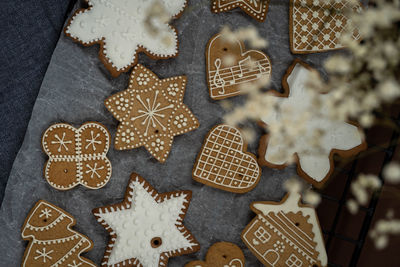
x: 77, y: 156
x: 52, y: 242
x: 317, y: 25
x: 255, y: 8
x: 147, y: 227
x: 124, y: 28
x: 151, y: 112
x: 222, y: 162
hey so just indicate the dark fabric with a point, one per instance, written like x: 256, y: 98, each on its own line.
x: 29, y: 31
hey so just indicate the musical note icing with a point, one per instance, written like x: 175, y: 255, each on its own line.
x: 218, y: 81
x: 225, y: 80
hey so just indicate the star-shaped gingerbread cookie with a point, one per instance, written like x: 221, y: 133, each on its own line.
x: 315, y: 163
x: 255, y: 8
x: 147, y: 227
x: 151, y: 112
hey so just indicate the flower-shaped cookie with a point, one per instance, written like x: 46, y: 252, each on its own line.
x: 77, y: 156
x: 151, y: 112
x: 125, y: 28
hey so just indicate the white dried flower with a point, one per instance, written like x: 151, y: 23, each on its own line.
x: 352, y: 206
x: 391, y: 172
x: 292, y: 185
x: 312, y: 198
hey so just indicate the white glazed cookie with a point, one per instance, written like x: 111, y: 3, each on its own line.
x: 77, y: 156
x: 285, y: 233
x: 151, y: 112
x: 147, y: 228
x: 255, y: 8
x: 52, y: 241
x: 317, y: 25
x: 125, y: 28
x: 315, y: 163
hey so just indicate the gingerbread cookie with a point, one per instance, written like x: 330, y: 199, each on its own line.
x: 255, y: 8
x: 125, y: 28
x: 221, y: 254
x: 285, y: 234
x: 146, y: 229
x: 77, y: 156
x: 223, y: 163
x: 151, y: 112
x: 52, y: 242
x: 314, y: 163
x: 317, y: 25
x: 229, y: 66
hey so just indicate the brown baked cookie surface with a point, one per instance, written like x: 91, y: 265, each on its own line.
x: 230, y: 66
x: 255, y: 8
x: 223, y: 162
x: 146, y: 229
x: 52, y: 242
x: 77, y: 156
x: 221, y: 254
x: 317, y: 25
x: 151, y: 112
x: 125, y: 28
x: 286, y: 233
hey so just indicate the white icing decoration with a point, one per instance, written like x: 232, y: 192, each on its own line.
x: 292, y: 205
x: 338, y: 135
x: 62, y: 143
x: 43, y: 253
x: 256, y: 8
x: 318, y: 15
x: 121, y: 26
x: 144, y: 219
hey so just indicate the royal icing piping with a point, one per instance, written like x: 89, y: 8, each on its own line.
x: 146, y: 216
x: 120, y: 25
x: 255, y: 8
x: 151, y: 112
x: 292, y: 205
x: 41, y: 250
x: 338, y: 135
x: 317, y: 25
x: 76, y: 151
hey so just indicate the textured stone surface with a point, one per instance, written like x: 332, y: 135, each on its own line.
x: 73, y: 91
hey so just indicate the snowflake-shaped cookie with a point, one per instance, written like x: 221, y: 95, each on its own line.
x: 77, y: 156
x: 147, y: 227
x: 125, y: 28
x: 151, y: 112
x: 315, y: 163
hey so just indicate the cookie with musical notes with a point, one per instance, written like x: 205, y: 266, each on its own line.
x: 317, y: 26
x: 223, y: 162
x: 230, y: 66
x: 221, y: 254
x: 255, y: 8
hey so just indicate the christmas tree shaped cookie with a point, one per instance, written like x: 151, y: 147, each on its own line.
x: 146, y: 229
x: 151, y: 112
x: 125, y: 28
x: 285, y: 234
x: 315, y: 163
x: 52, y: 242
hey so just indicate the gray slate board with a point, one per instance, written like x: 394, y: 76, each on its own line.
x: 73, y: 91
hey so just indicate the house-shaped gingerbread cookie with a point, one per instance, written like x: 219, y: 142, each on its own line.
x: 285, y: 234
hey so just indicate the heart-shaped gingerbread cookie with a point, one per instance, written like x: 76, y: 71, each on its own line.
x: 223, y: 162
x: 229, y: 66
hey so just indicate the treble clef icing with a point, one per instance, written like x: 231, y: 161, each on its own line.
x: 219, y: 82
